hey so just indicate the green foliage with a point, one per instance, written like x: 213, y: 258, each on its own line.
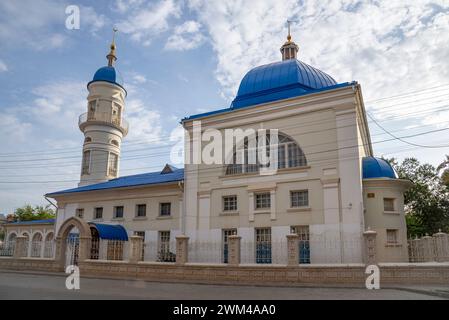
x: 427, y: 202
x: 29, y: 213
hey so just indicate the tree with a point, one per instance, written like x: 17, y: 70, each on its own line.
x: 427, y: 202
x: 444, y: 168
x: 29, y: 213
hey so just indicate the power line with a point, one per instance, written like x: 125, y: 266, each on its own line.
x: 65, y: 150
x: 402, y: 140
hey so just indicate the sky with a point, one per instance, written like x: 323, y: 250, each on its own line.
x: 182, y: 57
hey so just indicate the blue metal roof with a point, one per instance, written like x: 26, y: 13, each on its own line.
x: 110, y: 231
x: 285, y: 94
x: 280, y: 80
x: 377, y: 168
x: 45, y: 221
x: 108, y: 74
x: 129, y: 181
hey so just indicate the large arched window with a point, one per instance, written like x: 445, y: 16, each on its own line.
x: 290, y: 155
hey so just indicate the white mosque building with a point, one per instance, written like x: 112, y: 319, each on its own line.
x: 328, y: 186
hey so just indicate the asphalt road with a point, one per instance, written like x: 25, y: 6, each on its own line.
x: 48, y: 286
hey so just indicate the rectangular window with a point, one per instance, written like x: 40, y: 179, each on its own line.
x: 80, y: 213
x: 299, y: 198
x: 226, y: 234
x: 118, y: 212
x: 165, y: 209
x: 113, y: 164
x: 389, y: 204
x: 263, y: 200
x: 263, y: 245
x: 86, y: 162
x: 141, y: 210
x: 304, y: 242
x: 164, y: 253
x: 392, y: 236
x: 230, y: 203
x: 141, y: 234
x: 98, y: 213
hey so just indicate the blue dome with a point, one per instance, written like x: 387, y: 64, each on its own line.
x: 108, y: 74
x: 280, y: 80
x: 377, y: 168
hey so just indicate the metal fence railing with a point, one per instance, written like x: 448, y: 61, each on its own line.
x: 7, y: 248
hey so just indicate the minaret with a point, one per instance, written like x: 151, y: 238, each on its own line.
x: 103, y: 125
x: 289, y: 49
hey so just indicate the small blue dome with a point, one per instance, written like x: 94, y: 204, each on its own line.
x: 377, y: 168
x: 280, y: 80
x: 108, y: 74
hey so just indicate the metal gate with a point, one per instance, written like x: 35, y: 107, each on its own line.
x: 72, y: 249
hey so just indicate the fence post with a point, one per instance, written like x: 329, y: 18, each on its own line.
x: 428, y: 248
x: 234, y: 250
x: 370, y: 246
x: 136, y: 249
x: 292, y: 249
x: 441, y: 246
x: 182, y: 249
x: 20, y: 249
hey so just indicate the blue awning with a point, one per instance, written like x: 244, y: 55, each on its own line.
x: 110, y: 231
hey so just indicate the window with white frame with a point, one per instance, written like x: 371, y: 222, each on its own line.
x: 118, y: 212
x: 165, y: 209
x: 164, y: 253
x: 80, y: 213
x: 98, y: 213
x: 141, y: 234
x: 141, y: 210
x: 392, y: 236
x: 389, y: 204
x: 263, y: 245
x: 113, y: 164
x: 230, y: 203
x: 246, y: 158
x: 86, y: 162
x: 262, y: 200
x: 225, y: 236
x: 299, y: 198
x: 304, y: 242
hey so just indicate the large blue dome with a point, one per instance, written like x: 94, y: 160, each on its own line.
x: 280, y: 80
x: 108, y: 74
x: 377, y: 168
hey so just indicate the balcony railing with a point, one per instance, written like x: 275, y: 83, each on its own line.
x: 103, y: 117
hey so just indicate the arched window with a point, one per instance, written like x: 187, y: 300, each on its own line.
x: 290, y: 155
x: 114, y: 142
x: 36, y: 245
x: 12, y: 237
x: 87, y: 139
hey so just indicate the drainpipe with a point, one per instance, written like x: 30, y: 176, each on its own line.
x: 183, y: 218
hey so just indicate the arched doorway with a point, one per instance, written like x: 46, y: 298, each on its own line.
x: 73, y: 242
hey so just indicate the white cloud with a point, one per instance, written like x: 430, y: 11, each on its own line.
x: 3, y: 66
x: 388, y: 47
x: 40, y: 24
x: 186, y: 36
x: 145, y: 124
x: 139, y: 78
x: 147, y: 21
